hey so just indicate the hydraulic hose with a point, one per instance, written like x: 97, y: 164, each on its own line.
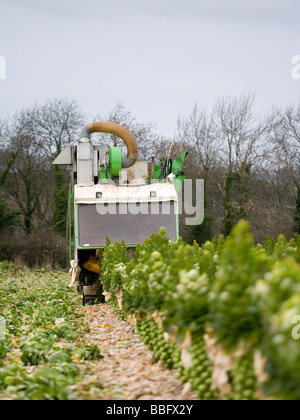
x: 118, y: 130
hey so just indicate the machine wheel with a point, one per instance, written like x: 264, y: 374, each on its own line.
x: 92, y: 292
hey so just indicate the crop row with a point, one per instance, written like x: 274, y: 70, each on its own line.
x: 42, y: 345
x: 223, y: 315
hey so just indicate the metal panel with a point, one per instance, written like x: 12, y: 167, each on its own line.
x: 95, y: 163
x: 84, y: 151
x: 115, y: 194
x: 124, y: 223
x: 103, y: 153
x: 137, y: 174
x: 85, y: 172
x: 65, y: 157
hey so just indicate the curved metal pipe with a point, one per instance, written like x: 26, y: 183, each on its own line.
x: 117, y: 130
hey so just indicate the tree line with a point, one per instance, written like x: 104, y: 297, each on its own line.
x: 250, y: 165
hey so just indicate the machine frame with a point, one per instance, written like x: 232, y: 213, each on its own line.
x: 101, y: 177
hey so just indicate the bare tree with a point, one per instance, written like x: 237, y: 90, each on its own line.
x: 27, y: 181
x: 29, y: 186
x: 8, y: 157
x: 57, y: 124
x: 242, y: 138
x: 286, y: 138
x: 143, y: 132
x: 197, y: 133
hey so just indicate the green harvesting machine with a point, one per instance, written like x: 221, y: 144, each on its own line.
x: 115, y: 197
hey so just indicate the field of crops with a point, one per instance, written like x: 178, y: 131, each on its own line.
x: 223, y: 318
x: 53, y: 348
x: 42, y: 349
x: 225, y: 315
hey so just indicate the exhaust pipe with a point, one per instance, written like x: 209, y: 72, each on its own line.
x: 118, y: 130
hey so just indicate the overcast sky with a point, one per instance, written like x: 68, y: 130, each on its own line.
x: 157, y: 57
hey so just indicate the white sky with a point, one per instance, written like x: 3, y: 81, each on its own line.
x: 158, y: 57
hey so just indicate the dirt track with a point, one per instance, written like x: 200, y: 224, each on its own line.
x: 128, y: 370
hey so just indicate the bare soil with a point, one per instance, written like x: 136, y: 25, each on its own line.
x: 128, y: 370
